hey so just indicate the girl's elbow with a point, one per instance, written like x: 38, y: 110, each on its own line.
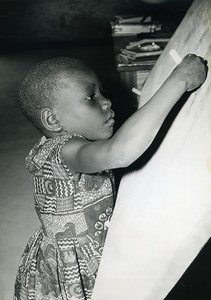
x: 122, y: 159
x: 122, y: 155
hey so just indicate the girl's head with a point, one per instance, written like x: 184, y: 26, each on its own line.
x: 64, y: 95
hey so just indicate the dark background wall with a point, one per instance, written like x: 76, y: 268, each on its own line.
x: 44, y: 21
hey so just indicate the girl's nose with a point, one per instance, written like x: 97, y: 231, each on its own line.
x: 106, y: 103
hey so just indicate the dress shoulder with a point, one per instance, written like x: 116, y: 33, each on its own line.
x: 46, y: 148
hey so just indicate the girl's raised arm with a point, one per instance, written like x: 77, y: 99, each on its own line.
x: 138, y: 132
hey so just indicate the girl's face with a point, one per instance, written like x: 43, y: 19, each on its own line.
x: 83, y: 109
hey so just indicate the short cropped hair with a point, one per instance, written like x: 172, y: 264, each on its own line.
x: 41, y: 81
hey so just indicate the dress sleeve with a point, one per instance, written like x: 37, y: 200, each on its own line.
x: 44, y: 149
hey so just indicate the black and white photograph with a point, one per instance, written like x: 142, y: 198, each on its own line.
x: 105, y: 152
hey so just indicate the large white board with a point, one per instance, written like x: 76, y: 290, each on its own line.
x: 162, y: 217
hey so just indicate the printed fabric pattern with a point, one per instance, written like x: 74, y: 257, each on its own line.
x: 61, y: 259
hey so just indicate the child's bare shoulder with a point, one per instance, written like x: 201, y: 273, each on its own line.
x: 84, y: 156
x: 72, y: 146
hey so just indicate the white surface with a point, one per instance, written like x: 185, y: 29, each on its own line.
x: 162, y: 218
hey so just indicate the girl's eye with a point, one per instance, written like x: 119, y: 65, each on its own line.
x: 91, y: 97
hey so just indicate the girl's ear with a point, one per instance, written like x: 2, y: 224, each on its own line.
x: 50, y: 120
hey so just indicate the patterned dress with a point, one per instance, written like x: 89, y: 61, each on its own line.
x: 61, y: 259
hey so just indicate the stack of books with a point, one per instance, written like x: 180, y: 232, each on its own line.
x: 144, y: 48
x: 133, y: 26
x: 141, y: 54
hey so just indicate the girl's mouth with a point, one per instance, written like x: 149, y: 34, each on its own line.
x: 110, y: 119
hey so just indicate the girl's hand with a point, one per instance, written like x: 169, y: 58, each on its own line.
x: 193, y: 70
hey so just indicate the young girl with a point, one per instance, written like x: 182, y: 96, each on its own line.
x: 73, y: 187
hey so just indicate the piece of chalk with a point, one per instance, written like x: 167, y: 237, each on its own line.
x: 175, y: 56
x: 136, y: 91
